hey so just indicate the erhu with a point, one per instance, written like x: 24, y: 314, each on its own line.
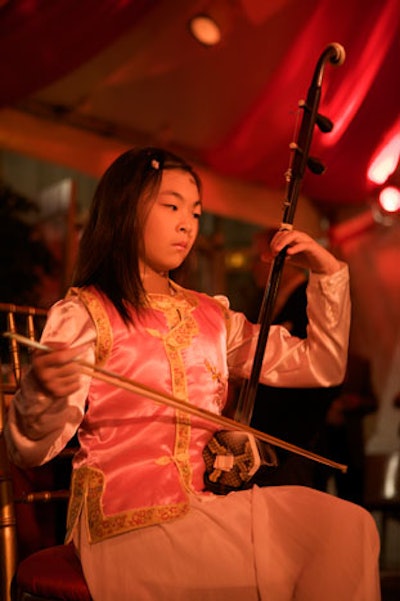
x: 233, y: 459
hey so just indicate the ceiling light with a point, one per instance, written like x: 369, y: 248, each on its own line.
x: 385, y: 161
x: 205, y: 30
x: 213, y: 22
x: 389, y: 199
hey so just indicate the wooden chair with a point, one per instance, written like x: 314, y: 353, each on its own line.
x: 51, y: 573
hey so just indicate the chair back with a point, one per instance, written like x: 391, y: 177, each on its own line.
x: 13, y: 361
x: 42, y: 570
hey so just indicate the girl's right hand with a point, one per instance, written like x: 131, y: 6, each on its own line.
x: 57, y: 371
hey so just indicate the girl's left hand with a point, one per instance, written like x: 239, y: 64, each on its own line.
x: 305, y: 252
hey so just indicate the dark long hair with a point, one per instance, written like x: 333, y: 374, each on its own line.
x: 108, y: 256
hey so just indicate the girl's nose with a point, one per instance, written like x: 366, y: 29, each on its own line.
x: 185, y: 225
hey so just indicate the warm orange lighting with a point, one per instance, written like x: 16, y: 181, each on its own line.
x: 389, y: 199
x: 385, y: 162
x: 236, y: 259
x: 214, y: 22
x: 205, y: 30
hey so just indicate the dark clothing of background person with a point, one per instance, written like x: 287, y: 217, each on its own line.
x: 295, y: 415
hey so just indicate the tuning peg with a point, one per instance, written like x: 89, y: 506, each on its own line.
x: 324, y: 124
x: 315, y: 165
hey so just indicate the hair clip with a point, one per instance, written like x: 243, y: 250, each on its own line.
x: 155, y: 164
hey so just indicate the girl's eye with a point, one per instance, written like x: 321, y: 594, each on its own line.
x: 172, y: 206
x: 197, y: 215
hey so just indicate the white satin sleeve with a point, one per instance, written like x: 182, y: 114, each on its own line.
x: 318, y: 360
x: 38, y: 425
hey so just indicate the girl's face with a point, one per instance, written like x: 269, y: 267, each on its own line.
x: 171, y: 222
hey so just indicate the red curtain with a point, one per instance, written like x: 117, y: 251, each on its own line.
x: 41, y: 41
x: 350, y: 96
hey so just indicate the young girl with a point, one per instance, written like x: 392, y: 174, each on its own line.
x: 139, y: 517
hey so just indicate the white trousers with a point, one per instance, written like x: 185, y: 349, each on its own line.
x: 281, y: 543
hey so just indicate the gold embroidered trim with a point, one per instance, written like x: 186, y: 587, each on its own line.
x: 88, y: 483
x: 87, y: 487
x: 104, y: 338
x: 182, y: 328
x: 217, y: 377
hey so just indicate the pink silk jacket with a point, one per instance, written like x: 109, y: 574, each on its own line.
x: 140, y: 461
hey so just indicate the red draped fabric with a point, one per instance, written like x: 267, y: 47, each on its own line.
x: 41, y: 41
x: 350, y: 96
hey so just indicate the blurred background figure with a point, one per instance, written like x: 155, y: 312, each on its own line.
x: 327, y: 421
x: 296, y: 415
x: 345, y: 428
